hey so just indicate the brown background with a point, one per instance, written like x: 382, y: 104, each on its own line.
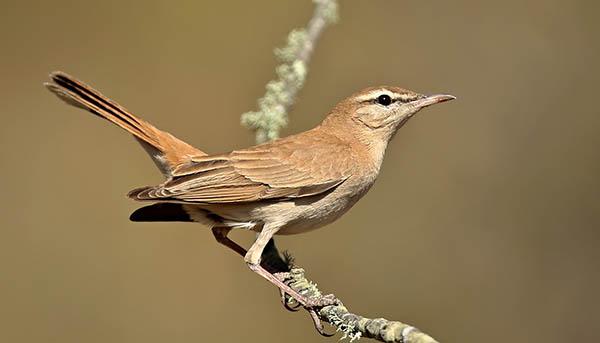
x: 483, y: 226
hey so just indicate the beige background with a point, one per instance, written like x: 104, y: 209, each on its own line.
x: 483, y: 226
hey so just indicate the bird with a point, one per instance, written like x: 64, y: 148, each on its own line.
x: 287, y: 186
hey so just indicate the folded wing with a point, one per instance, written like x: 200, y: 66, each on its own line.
x: 291, y: 168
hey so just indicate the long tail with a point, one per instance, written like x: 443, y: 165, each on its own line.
x: 166, y: 150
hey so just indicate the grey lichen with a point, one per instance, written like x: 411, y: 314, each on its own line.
x: 295, y: 43
x: 281, y: 92
x: 349, y: 330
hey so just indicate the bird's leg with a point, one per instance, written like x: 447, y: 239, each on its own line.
x: 252, y: 258
x: 221, y: 233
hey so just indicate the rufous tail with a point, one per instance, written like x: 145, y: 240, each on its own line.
x: 166, y: 150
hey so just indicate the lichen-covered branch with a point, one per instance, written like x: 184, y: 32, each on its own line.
x: 267, y: 123
x: 280, y: 94
x: 354, y: 326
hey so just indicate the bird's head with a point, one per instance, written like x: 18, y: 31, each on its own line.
x: 376, y: 113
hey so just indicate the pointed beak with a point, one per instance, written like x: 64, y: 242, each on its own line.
x: 431, y: 100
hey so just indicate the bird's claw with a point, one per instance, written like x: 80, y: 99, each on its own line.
x: 288, y: 302
x: 312, y: 305
x: 285, y: 301
x: 319, y: 324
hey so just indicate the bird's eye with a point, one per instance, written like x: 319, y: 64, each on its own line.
x: 384, y: 100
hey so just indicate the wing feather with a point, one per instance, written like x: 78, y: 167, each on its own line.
x: 282, y: 169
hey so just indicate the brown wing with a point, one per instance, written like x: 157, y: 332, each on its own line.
x: 295, y: 167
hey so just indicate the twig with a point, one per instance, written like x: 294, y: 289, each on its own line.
x: 291, y: 74
x: 267, y: 122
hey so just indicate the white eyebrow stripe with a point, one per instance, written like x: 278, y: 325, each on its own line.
x: 406, y: 97
x: 375, y: 93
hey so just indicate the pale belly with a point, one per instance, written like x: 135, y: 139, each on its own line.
x: 301, y: 218
x: 291, y: 216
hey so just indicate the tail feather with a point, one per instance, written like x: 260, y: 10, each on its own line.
x: 162, y: 212
x: 167, y: 151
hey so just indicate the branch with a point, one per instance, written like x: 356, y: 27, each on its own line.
x: 352, y: 326
x: 291, y: 73
x: 267, y: 123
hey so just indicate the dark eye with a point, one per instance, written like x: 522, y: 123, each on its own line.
x: 384, y: 100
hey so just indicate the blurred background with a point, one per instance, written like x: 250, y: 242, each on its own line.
x: 483, y: 225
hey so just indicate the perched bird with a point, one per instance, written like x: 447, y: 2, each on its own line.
x: 287, y: 186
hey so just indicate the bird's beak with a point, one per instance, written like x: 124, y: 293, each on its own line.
x: 431, y: 100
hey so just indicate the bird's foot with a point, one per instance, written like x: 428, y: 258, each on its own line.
x: 288, y: 302
x: 319, y: 324
x: 311, y: 304
x: 322, y: 301
x: 314, y: 305
x: 298, y: 300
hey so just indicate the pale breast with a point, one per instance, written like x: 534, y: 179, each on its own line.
x: 312, y: 213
